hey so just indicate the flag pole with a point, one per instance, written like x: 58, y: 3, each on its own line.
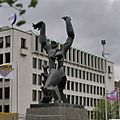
x: 106, y: 116
x: 103, y: 42
x: 119, y: 101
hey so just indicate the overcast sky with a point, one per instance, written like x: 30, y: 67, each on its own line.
x: 93, y: 21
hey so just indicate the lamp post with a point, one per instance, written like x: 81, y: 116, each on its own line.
x: 103, y: 42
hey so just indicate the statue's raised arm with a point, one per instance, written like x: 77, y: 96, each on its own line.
x: 41, y: 26
x: 70, y: 33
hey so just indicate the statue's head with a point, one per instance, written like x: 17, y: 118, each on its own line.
x: 54, y: 44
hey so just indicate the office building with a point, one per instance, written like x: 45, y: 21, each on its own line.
x: 87, y: 74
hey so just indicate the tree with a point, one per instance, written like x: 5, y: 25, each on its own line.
x: 17, y: 5
x: 112, y: 110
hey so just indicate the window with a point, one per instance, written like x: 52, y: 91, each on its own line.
x: 68, y: 85
x: 68, y: 98
x: 92, y: 60
x: 87, y: 88
x: 0, y: 108
x: 91, y: 89
x: 39, y: 95
x: 76, y: 73
x: 88, y: 59
x: 1, y: 42
x: 76, y: 100
x: 72, y: 99
x: 95, y: 102
x: 88, y: 102
x: 91, y: 102
x: 34, y: 95
x: 95, y: 62
x: 109, y: 69
x: 87, y: 77
x: 101, y: 64
x: 72, y: 85
x: 80, y: 87
x: 0, y: 93
x: 1, y: 58
x: 90, y: 76
x: 94, y: 89
x: 7, y: 57
x: 7, y: 93
x: 76, y: 86
x: 83, y: 87
x: 94, y: 77
x: 84, y: 101
x: 85, y: 58
x: 80, y: 100
x: 6, y: 108
x: 7, y: 80
x: 1, y: 79
x: 74, y: 55
x: 7, y: 41
x: 84, y: 75
x: 34, y: 62
x: 81, y: 57
x: 79, y: 73
x: 97, y: 78
x: 77, y: 56
x: 97, y: 90
x: 34, y: 79
x: 39, y: 64
x: 36, y: 43
x: 98, y: 63
x: 72, y: 72
x: 68, y: 71
x: 100, y: 90
x: 23, y: 43
x: 70, y: 54
x: 103, y: 79
x: 39, y: 80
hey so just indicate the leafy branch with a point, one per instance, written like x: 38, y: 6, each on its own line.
x: 15, y: 4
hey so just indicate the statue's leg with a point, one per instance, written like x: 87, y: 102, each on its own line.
x: 58, y: 94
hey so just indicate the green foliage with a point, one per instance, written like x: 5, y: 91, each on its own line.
x: 22, y: 12
x: 112, y: 110
x: 21, y: 22
x: 17, y: 5
x: 33, y: 3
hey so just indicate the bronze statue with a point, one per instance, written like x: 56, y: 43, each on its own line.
x: 56, y: 78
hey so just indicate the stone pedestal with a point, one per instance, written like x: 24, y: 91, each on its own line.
x: 56, y: 112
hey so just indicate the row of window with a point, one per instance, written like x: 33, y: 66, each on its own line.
x: 80, y: 57
x: 5, y: 58
x: 85, y: 88
x: 37, y: 63
x: 84, y: 58
x: 6, y: 93
x: 36, y: 95
x: 81, y: 74
x: 5, y: 41
x: 80, y: 100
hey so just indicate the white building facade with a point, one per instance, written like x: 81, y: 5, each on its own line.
x: 88, y: 75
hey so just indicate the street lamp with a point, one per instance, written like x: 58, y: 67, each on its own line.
x: 103, y: 42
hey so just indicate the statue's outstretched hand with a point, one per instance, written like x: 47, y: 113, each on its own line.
x: 38, y: 25
x: 66, y: 18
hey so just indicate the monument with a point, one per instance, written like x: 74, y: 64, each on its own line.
x: 54, y: 104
